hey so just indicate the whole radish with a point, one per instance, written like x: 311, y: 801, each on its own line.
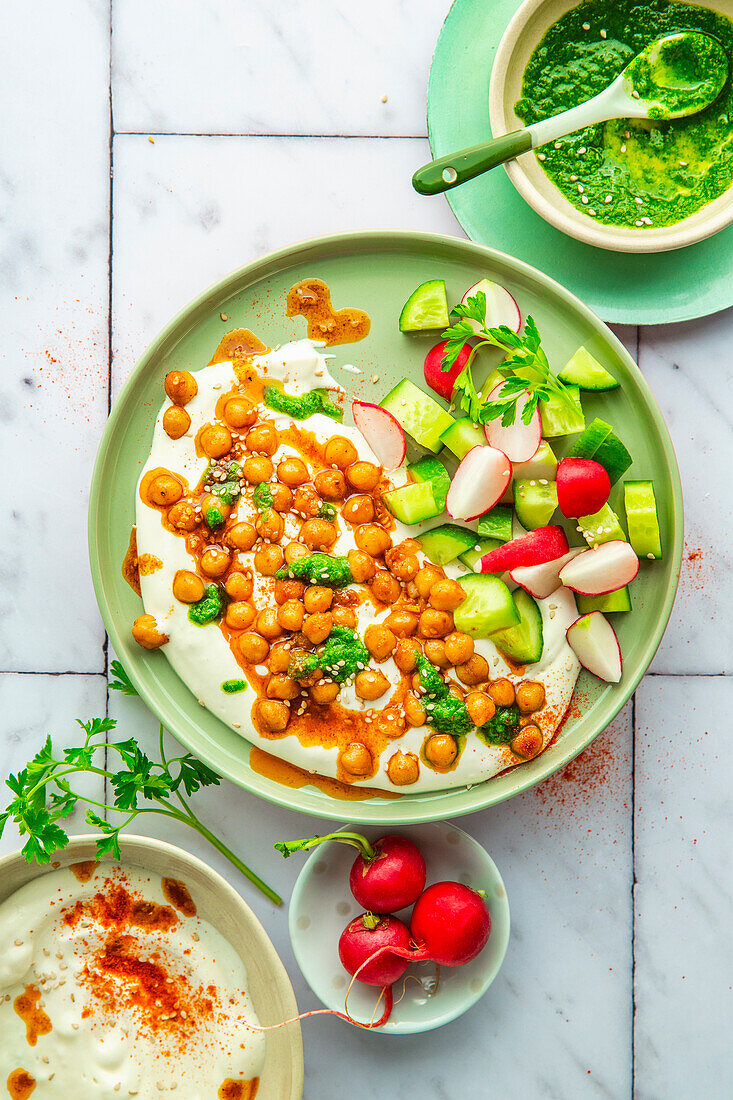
x: 583, y: 486
x: 368, y: 935
x: 451, y: 922
x: 439, y: 380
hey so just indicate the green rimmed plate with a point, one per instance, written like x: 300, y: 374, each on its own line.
x: 376, y: 271
x: 649, y: 289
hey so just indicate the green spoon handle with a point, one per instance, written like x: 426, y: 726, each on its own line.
x: 441, y: 175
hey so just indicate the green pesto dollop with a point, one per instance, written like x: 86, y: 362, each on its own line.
x: 635, y: 173
x: 443, y: 711
x: 500, y: 729
x: 231, y: 687
x: 303, y: 406
x: 224, y: 480
x: 208, y: 609
x: 262, y: 497
x: 326, y: 569
x: 678, y: 75
x: 343, y: 655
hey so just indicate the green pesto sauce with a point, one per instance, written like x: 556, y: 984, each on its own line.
x: 500, y: 729
x: 324, y: 569
x: 636, y: 173
x: 678, y: 75
x: 262, y: 497
x: 443, y: 711
x: 209, y: 609
x: 224, y: 480
x: 343, y: 655
x: 231, y: 687
x: 303, y: 406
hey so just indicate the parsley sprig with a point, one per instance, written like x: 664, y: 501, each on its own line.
x: 43, y: 795
x: 525, y: 368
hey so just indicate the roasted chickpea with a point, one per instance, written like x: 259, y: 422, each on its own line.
x: 215, y: 440
x: 282, y: 687
x: 414, y: 710
x: 188, y: 587
x: 317, y: 627
x: 295, y: 551
x: 307, y: 501
x: 215, y: 561
x: 480, y: 708
x: 403, y: 769
x: 176, y: 421
x: 530, y: 696
x: 379, y: 641
x: 282, y: 498
x: 435, y: 624
x: 317, y: 598
x: 441, y: 750
x: 401, y: 623
x: 363, y: 476
x: 358, y: 509
x: 272, y: 715
x: 292, y: 471
x: 405, y: 654
x: 459, y: 647
x: 344, y: 616
x: 385, y: 587
x: 242, y: 536
x: 370, y: 684
x: 527, y: 742
x: 267, y: 624
x: 403, y: 566
x: 180, y: 386
x: 390, y: 722
x: 208, y: 502
x: 363, y: 566
x: 318, y: 534
x: 435, y: 653
x: 253, y: 648
x: 356, y: 759
x: 240, y: 615
x: 239, y: 586
x: 456, y: 690
x: 182, y: 516
x: 270, y: 525
x: 372, y: 539
x: 146, y: 633
x: 446, y: 595
x: 240, y: 413
x: 290, y: 615
x: 257, y: 468
x: 288, y: 589
x: 330, y: 484
x: 164, y: 490
x: 324, y: 692
x: 268, y: 559
x: 474, y: 671
x: 262, y: 439
x: 502, y: 692
x: 426, y: 578
x: 340, y: 452
x: 279, y: 659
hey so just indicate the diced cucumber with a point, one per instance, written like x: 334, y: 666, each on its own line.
x: 443, y: 544
x: 461, y: 436
x: 488, y: 606
x: 417, y: 412
x: 589, y: 441
x: 524, y: 642
x: 426, y: 308
x: 496, y: 524
x: 608, y: 604
x: 412, y: 503
x: 543, y: 465
x: 534, y: 503
x: 584, y: 370
x: 560, y: 417
x: 604, y: 526
x: 491, y: 382
x: 641, y: 519
x: 432, y: 470
x: 471, y: 558
x: 600, y: 443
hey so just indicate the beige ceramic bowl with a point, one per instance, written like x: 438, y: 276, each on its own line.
x: 220, y: 905
x: 528, y: 26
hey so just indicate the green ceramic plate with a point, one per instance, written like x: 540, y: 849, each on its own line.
x: 375, y: 271
x: 638, y: 290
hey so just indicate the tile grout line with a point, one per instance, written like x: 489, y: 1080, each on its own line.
x: 244, y: 134
x: 109, y: 356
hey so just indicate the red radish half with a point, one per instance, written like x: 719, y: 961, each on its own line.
x: 594, y: 642
x: 481, y: 478
x: 583, y: 486
x: 606, y: 568
x: 519, y: 441
x: 382, y: 432
x: 442, y: 380
x: 501, y: 308
x: 542, y: 580
x: 538, y: 546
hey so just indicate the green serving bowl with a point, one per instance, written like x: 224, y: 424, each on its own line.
x: 377, y: 271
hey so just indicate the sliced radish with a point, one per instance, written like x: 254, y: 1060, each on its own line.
x: 501, y: 308
x: 382, y: 432
x: 594, y: 642
x: 542, y: 580
x: 441, y: 381
x: 538, y: 546
x: 583, y: 486
x: 605, y: 568
x: 481, y: 478
x: 519, y: 441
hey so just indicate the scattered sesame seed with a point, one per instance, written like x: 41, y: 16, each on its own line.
x: 586, y: 26
x: 558, y: 145
x: 584, y: 199
x: 638, y: 222
x: 582, y: 150
x: 623, y: 148
x: 151, y: 139
x: 223, y: 316
x: 608, y: 199
x: 592, y: 213
x: 604, y: 34
x: 638, y: 200
x: 635, y: 94
x: 573, y: 179
x: 384, y: 99
x: 541, y: 156
x: 581, y: 189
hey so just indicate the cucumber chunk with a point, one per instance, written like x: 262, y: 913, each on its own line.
x: 432, y: 470
x: 412, y: 503
x: 471, y: 558
x: 600, y: 443
x: 534, y: 503
x: 544, y: 464
x: 559, y: 417
x: 610, y: 603
x: 417, y: 412
x: 488, y: 606
x: 426, y: 308
x: 584, y: 370
x: 524, y: 642
x: 603, y: 526
x: 496, y: 524
x: 641, y: 519
x: 443, y: 544
x: 461, y: 436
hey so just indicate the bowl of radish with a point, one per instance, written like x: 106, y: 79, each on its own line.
x: 401, y: 933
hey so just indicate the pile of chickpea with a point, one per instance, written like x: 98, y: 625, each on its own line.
x: 299, y: 616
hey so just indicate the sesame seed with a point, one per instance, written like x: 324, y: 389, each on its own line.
x: 638, y: 222
x: 586, y: 26
x: 604, y: 34
x: 592, y: 213
x: 581, y: 189
x: 623, y: 148
x: 541, y: 156
x: 608, y: 199
x: 635, y: 94
x: 573, y: 179
x: 584, y: 199
x: 581, y: 150
x: 638, y: 200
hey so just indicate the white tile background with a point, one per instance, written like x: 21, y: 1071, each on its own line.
x: 269, y: 126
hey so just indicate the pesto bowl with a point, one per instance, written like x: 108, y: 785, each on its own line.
x: 528, y: 26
